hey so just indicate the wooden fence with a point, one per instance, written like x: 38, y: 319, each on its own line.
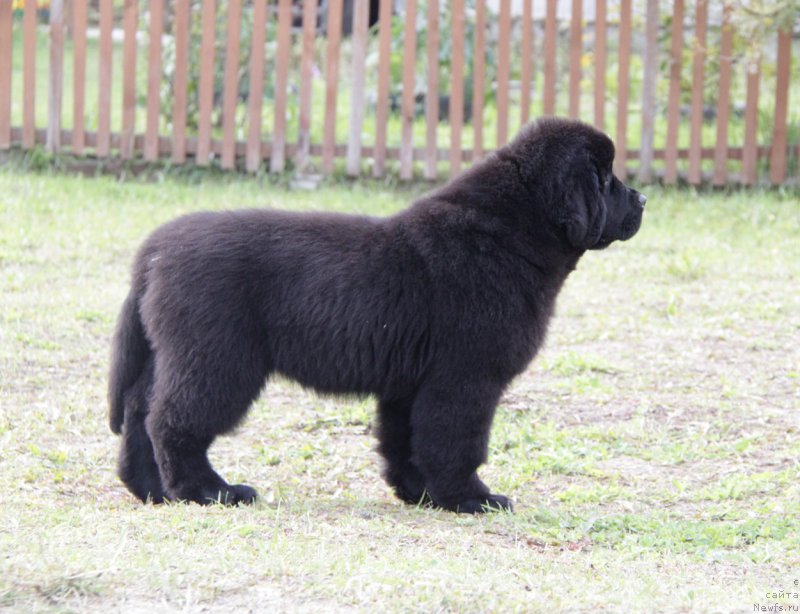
x: 407, y: 88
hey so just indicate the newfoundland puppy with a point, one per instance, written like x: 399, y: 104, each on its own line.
x: 433, y: 311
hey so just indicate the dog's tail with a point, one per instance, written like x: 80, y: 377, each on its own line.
x: 129, y: 353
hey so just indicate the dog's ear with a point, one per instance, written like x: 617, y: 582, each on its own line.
x: 586, y: 212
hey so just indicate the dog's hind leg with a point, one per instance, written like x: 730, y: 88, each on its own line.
x: 394, y: 444
x: 137, y: 466
x: 194, y: 400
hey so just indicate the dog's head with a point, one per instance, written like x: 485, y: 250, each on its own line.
x: 570, y: 163
x: 602, y: 209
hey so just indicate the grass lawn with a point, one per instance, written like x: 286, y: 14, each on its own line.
x: 651, y: 449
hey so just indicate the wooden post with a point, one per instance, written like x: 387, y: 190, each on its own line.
x: 432, y: 91
x: 382, y: 111
x: 56, y: 75
x: 255, y: 99
x: 231, y: 83
x: 526, y: 69
x: 360, y: 27
x: 750, y: 150
x: 623, y: 82
x: 29, y: 75
x: 180, y: 82
x: 130, y: 18
x: 600, y: 65
x: 103, y: 146
x: 79, y: 10
x: 477, y: 79
x: 154, y: 79
x: 698, y: 67
x: 277, y: 159
x: 724, y: 99
x: 5, y: 74
x: 306, y: 84
x: 205, y: 99
x: 674, y: 97
x: 334, y: 35
x: 646, y: 153
x: 456, y: 111
x: 407, y: 110
x: 575, y: 52
x: 777, y: 158
x: 503, y: 71
x: 550, y: 35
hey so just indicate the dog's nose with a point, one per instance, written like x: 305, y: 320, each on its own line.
x: 642, y: 199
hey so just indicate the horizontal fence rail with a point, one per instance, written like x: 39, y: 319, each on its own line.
x: 690, y: 90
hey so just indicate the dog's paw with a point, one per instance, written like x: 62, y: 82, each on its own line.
x: 145, y: 486
x: 482, y: 505
x: 420, y: 499
x: 232, y: 495
x: 408, y: 484
x: 245, y: 494
x: 411, y: 489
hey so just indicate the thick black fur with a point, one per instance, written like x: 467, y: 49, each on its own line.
x: 433, y: 310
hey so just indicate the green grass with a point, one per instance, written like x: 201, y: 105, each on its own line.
x: 651, y: 448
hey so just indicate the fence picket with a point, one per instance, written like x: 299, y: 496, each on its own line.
x: 550, y: 42
x: 334, y: 31
x: 130, y: 18
x: 723, y: 101
x: 103, y: 146
x: 478, y: 71
x: 256, y: 95
x: 382, y: 110
x: 205, y: 101
x: 623, y: 84
x: 674, y: 99
x: 750, y: 150
x: 650, y: 69
x: 778, y: 162
x: 306, y: 83
x: 503, y: 71
x: 456, y: 110
x: 600, y: 64
x: 29, y: 75
x: 526, y: 68
x: 230, y: 92
x: 360, y: 26
x: 277, y: 159
x: 6, y: 47
x: 698, y: 66
x: 180, y: 82
x: 79, y: 10
x: 56, y: 75
x: 407, y: 109
x: 432, y: 91
x: 575, y: 52
x: 154, y: 79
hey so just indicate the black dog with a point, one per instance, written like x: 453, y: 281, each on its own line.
x: 433, y: 310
